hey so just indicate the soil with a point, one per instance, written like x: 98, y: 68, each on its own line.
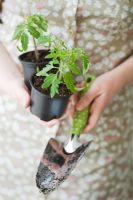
x: 30, y: 56
x: 38, y: 81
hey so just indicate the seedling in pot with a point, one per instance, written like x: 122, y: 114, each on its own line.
x: 57, y: 81
x: 33, y: 28
x: 67, y: 70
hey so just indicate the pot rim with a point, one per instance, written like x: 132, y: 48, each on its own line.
x: 21, y: 55
x: 48, y: 96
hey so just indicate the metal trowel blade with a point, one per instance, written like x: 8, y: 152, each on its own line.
x: 56, y: 165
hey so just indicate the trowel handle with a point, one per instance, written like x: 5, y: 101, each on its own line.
x: 81, y: 117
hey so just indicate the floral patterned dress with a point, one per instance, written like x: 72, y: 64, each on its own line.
x: 105, y: 30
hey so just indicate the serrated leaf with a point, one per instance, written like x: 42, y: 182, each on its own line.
x: 54, y: 62
x: 24, y: 41
x: 49, y: 56
x: 52, y: 81
x: 44, y: 71
x: 43, y: 40
x: 85, y: 63
x: 32, y: 30
x: 18, y: 31
x: 49, y: 80
x: 54, y: 88
x: 75, y: 69
x: 54, y: 55
x: 87, y: 68
x: 40, y: 25
x: 69, y: 81
x: 40, y: 21
x: 42, y: 18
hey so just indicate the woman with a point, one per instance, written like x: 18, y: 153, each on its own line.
x: 105, y: 30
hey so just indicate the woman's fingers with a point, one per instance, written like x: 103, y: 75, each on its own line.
x: 19, y: 91
x: 74, y: 99
x: 49, y: 123
x: 24, y: 98
x: 97, y: 108
x: 22, y: 94
x: 87, y: 99
x: 69, y: 111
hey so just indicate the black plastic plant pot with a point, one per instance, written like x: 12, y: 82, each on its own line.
x: 29, y: 67
x: 45, y: 107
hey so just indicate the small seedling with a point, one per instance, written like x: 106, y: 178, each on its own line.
x: 69, y: 63
x: 35, y: 27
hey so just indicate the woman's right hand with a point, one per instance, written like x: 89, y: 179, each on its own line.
x: 12, y: 82
x: 11, y: 79
x: 16, y: 89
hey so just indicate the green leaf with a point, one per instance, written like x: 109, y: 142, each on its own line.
x: 85, y: 62
x: 74, y: 68
x: 19, y: 30
x: 49, y: 55
x: 44, y: 71
x: 54, y: 62
x: 43, y: 40
x: 52, y: 81
x: 53, y: 54
x: 69, y: 81
x: 54, y: 88
x: 41, y: 25
x: 42, y: 18
x: 49, y: 80
x: 32, y: 30
x: 39, y: 21
x: 24, y: 41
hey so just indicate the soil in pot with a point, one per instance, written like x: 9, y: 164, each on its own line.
x: 38, y: 81
x: 45, y: 107
x: 30, y: 64
x: 30, y: 56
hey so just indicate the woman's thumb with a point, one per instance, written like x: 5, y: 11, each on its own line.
x: 23, y: 96
x: 86, y: 99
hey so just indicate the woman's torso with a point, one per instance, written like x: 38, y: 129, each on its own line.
x: 103, y: 28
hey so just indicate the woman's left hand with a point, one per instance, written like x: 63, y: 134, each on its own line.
x: 103, y: 89
x: 99, y: 96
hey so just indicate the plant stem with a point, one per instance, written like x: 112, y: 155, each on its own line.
x: 36, y: 51
x: 60, y: 70
x: 60, y: 76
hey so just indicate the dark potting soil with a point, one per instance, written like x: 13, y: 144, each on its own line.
x: 38, y: 81
x: 30, y: 57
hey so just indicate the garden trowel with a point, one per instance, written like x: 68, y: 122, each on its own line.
x: 58, y: 160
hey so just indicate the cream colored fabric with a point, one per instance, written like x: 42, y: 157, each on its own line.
x: 105, y: 30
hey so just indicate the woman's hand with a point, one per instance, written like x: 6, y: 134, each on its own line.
x: 12, y: 83
x: 11, y: 80
x: 104, y: 88
x: 18, y: 91
x: 99, y: 96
